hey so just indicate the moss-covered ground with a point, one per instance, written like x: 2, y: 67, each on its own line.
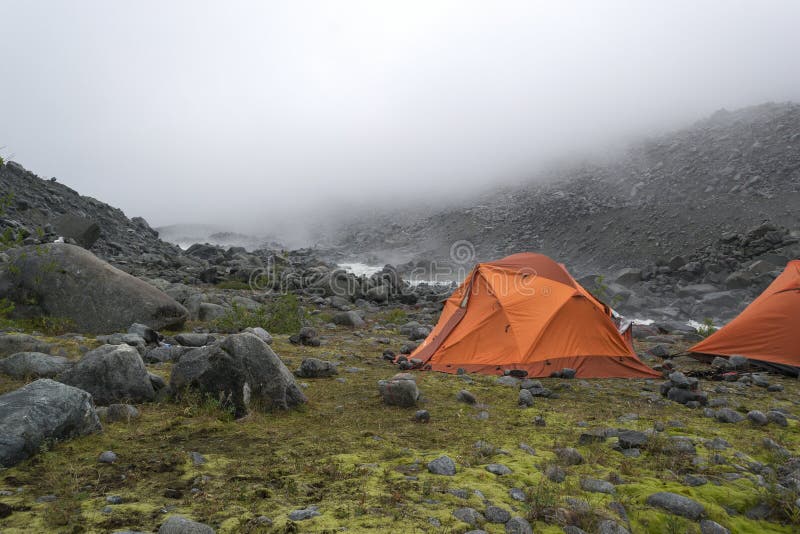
x: 364, y: 464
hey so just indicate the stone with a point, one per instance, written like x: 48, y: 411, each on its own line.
x: 630, y: 439
x: 180, y: 525
x: 165, y: 353
x: 400, y: 390
x: 315, y: 368
x: 496, y: 514
x: 726, y: 415
x: 738, y: 362
x: 42, y: 411
x: 776, y: 417
x: 442, y: 465
x: 498, y: 469
x: 191, y: 339
x: 422, y: 416
x: 33, y: 365
x: 262, y: 334
x: 517, y: 494
x: 525, y: 398
x: 518, y: 525
x: 468, y: 515
x: 569, y: 456
x: 555, y: 473
x: 71, y: 283
x: 111, y: 373
x: 120, y: 412
x: 595, y: 485
x: 13, y: 343
x: 609, y: 526
x: 348, y: 318
x: 466, y: 397
x: 241, y: 371
x: 757, y: 418
x: 107, y: 457
x: 304, y: 514
x: 83, y: 230
x: 677, y: 504
x: 712, y: 527
x: 149, y: 335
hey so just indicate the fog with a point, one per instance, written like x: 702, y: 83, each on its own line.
x: 265, y: 115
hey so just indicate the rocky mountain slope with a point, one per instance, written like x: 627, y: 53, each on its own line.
x: 670, y: 195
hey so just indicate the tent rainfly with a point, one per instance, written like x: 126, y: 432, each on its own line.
x: 525, y: 312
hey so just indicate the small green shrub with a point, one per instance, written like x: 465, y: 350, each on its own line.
x: 396, y: 316
x: 281, y: 316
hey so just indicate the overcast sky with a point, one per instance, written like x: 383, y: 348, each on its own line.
x: 257, y: 112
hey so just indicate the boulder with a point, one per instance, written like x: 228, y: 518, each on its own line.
x: 677, y: 504
x: 348, y: 318
x: 442, y: 465
x: 242, y: 372
x: 400, y: 390
x: 14, y: 343
x: 628, y: 276
x: 82, y: 229
x: 42, y: 411
x: 180, y: 525
x: 191, y: 339
x: 33, y: 364
x: 111, y: 373
x: 70, y: 283
x: 316, y: 368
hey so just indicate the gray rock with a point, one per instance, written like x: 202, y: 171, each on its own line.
x: 208, y: 311
x: 14, y: 343
x: 496, y: 514
x: 422, y: 416
x: 119, y: 412
x: 242, y: 371
x: 180, y: 525
x: 726, y: 415
x: 42, y: 411
x: 569, y: 456
x: 107, y: 457
x: 609, y: 526
x: 348, y: 318
x: 525, y: 398
x: 738, y: 362
x: 595, y: 485
x: 517, y: 494
x: 190, y: 339
x: 33, y: 364
x: 518, y: 525
x: 304, y: 514
x: 757, y: 418
x: 677, y: 504
x: 498, y: 469
x: 777, y: 418
x: 554, y: 473
x: 166, y: 353
x: 265, y: 336
x: 69, y: 282
x: 466, y: 397
x: 400, y: 390
x: 631, y: 439
x: 442, y: 465
x: 315, y: 368
x: 83, y: 230
x: 468, y: 515
x: 149, y: 335
x: 111, y: 373
x: 712, y: 527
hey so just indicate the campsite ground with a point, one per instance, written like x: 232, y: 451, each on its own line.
x: 363, y: 464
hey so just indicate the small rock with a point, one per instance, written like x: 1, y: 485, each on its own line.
x: 498, y: 469
x: 555, y: 474
x: 442, y: 465
x: 179, y: 525
x: 107, y: 457
x: 468, y: 515
x: 304, y: 514
x: 466, y: 397
x: 569, y: 456
x: 711, y: 527
x: 726, y: 415
x: 757, y: 418
x: 525, y: 398
x: 677, y: 504
x: 518, y: 525
x: 422, y: 416
x: 597, y: 486
x: 496, y: 514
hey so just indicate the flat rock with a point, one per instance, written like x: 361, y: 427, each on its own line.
x: 677, y: 504
x: 34, y: 365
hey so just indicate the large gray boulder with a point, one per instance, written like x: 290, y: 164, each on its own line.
x: 111, y: 373
x: 42, y: 411
x: 242, y: 372
x: 14, y: 343
x: 69, y: 282
x: 33, y: 364
x: 82, y: 229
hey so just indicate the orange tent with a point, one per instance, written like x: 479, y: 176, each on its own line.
x: 768, y: 330
x: 526, y: 312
